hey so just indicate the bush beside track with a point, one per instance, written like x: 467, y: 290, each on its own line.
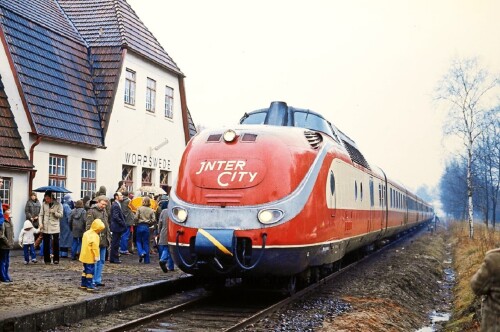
x: 468, y: 255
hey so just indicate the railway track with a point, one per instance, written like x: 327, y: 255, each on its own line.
x: 229, y: 310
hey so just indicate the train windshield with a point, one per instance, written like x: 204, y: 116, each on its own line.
x: 311, y: 121
x: 291, y: 117
x: 254, y: 118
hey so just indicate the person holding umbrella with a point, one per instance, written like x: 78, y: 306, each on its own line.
x: 50, y: 214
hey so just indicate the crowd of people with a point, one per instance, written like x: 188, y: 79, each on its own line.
x: 91, y: 230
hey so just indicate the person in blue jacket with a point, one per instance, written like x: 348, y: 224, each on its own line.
x: 2, y: 219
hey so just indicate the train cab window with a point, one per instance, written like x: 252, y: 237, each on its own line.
x: 311, y: 121
x: 361, y: 191
x: 332, y: 183
x: 355, y: 190
x: 254, y: 118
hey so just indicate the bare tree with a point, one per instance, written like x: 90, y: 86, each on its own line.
x: 453, y: 189
x: 466, y: 88
x: 490, y: 157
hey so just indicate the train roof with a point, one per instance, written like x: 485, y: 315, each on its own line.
x: 280, y: 114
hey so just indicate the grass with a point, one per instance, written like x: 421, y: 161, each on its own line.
x: 468, y: 255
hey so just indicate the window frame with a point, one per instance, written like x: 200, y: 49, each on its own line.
x: 58, y: 179
x: 169, y: 102
x: 148, y: 171
x: 130, y: 87
x: 150, y: 95
x: 128, y: 178
x: 6, y: 191
x: 88, y: 183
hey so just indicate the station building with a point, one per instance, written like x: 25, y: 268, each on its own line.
x: 88, y: 97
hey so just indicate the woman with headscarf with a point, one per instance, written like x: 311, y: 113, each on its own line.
x: 32, y: 209
x: 65, y: 237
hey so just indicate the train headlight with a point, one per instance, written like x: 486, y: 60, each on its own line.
x: 229, y: 135
x: 179, y: 214
x: 270, y: 216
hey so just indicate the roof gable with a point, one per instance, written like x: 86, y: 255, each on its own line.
x: 12, y: 152
x: 115, y: 23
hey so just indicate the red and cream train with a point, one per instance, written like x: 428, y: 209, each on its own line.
x: 280, y: 194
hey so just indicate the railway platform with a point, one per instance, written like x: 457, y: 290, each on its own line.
x: 43, y: 296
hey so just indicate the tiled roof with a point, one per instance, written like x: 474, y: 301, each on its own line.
x: 106, y: 65
x: 68, y: 55
x: 54, y: 73
x: 115, y: 23
x: 12, y: 152
x: 45, y: 13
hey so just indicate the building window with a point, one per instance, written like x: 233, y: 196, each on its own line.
x: 57, y: 170
x: 88, y: 186
x: 147, y: 177
x: 57, y: 173
x: 129, y: 87
x: 151, y: 95
x: 128, y: 178
x: 169, y: 102
x: 6, y: 191
x: 164, y: 181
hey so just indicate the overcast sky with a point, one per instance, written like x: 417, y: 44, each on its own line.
x: 370, y: 67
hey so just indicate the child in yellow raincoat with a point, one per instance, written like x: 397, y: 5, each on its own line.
x: 89, y: 253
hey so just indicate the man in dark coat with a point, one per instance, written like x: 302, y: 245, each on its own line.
x: 486, y: 282
x: 118, y: 226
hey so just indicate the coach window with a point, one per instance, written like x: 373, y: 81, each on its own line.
x: 372, y: 194
x: 379, y: 194
x: 361, y: 191
x: 355, y: 190
x: 332, y: 183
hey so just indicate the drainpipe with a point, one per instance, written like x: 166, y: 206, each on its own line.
x: 33, y: 171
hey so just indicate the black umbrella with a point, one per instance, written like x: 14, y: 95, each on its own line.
x: 54, y: 189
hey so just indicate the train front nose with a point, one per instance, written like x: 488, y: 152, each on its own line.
x: 220, y: 251
x: 216, y: 244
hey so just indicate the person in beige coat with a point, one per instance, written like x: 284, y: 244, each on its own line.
x: 50, y: 214
x: 486, y: 282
